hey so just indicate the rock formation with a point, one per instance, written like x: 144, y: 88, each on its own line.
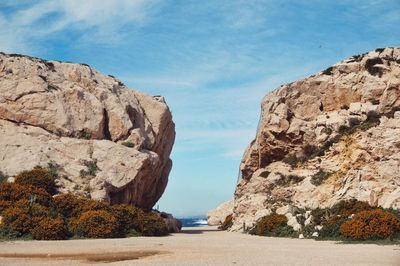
x: 218, y: 215
x: 102, y: 138
x: 329, y: 137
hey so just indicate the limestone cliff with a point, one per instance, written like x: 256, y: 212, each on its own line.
x: 104, y: 139
x: 332, y: 136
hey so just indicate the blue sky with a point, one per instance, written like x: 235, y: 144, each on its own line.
x: 212, y: 60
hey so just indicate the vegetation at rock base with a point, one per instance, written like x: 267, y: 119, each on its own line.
x: 346, y: 220
x: 274, y: 225
x: 29, y: 211
x: 95, y: 224
x: 13, y: 192
x: 373, y: 224
x: 228, y: 222
x: 151, y: 224
x: 50, y: 229
x: 38, y: 177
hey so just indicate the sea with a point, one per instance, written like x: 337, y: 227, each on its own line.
x: 193, y: 221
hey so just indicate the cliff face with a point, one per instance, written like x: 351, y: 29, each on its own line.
x: 329, y: 137
x: 104, y: 139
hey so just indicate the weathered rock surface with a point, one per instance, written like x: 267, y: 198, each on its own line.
x: 329, y: 137
x: 107, y: 140
x: 218, y: 215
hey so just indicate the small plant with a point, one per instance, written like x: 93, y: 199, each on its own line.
x: 328, y: 71
x: 228, y: 222
x: 84, y: 135
x: 373, y: 224
x: 3, y: 177
x: 320, y: 177
x: 292, y: 160
x: 50, y: 229
x: 52, y: 168
x: 95, y: 224
x: 91, y: 169
x: 289, y: 180
x: 128, y: 144
x: 38, y: 177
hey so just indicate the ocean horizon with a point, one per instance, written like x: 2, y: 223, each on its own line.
x: 193, y: 221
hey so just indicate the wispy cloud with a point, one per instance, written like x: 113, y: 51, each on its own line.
x: 93, y: 21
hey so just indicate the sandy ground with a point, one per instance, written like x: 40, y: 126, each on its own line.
x: 197, y: 246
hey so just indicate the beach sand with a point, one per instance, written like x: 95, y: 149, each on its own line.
x: 196, y: 246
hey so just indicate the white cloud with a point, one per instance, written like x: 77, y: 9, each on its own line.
x: 101, y: 21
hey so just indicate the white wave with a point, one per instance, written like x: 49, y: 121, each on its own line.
x: 200, y: 221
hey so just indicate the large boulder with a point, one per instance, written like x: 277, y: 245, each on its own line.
x: 218, y: 215
x: 329, y: 137
x: 104, y: 139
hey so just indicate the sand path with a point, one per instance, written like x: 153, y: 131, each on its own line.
x: 197, y: 246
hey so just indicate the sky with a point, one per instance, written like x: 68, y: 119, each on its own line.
x: 213, y: 61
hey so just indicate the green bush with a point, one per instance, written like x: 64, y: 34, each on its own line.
x: 37, y: 177
x: 50, y: 229
x: 372, y: 224
x: 95, y: 224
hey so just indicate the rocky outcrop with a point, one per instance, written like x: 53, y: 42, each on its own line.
x: 329, y: 137
x: 218, y: 215
x: 104, y: 139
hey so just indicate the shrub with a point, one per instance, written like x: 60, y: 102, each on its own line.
x: 95, y: 224
x: 150, y: 224
x: 128, y: 217
x: 14, y: 192
x: 17, y: 219
x: 348, y: 207
x: 70, y: 205
x: 4, y: 204
x: 50, y: 229
x: 373, y: 224
x: 331, y: 227
x: 268, y: 224
x: 38, y: 177
x: 227, y: 222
